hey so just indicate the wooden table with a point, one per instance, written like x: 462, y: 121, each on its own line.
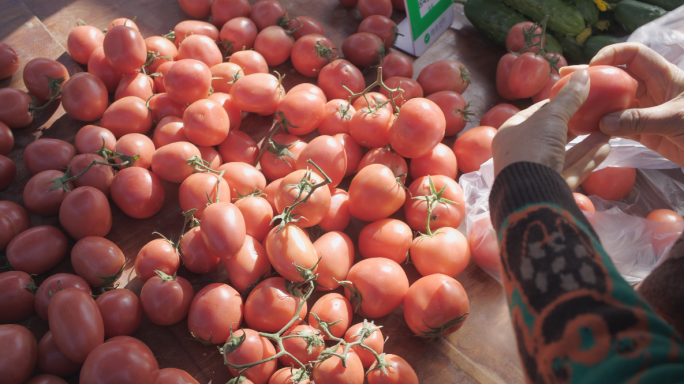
x: 482, y: 351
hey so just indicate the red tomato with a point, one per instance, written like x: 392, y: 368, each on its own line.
x: 37, y: 198
x: 137, y: 192
x: 211, y: 156
x: 205, y: 122
x: 195, y: 191
x: 410, y: 87
x: 278, y: 162
x: 258, y: 215
x: 254, y: 348
x: 473, y: 148
x: 223, y: 76
x: 418, y: 129
x: 194, y: 27
x: 121, y: 312
x: 612, y: 90
x: 371, y: 129
x: 330, y: 308
x: 121, y: 359
x: 259, y: 93
x: 135, y: 144
x: 239, y: 147
x: 299, y: 347
x: 46, y: 154
x: 375, y: 99
x: 289, y: 246
x: 305, y: 25
x: 16, y: 296
x: 455, y: 110
x: 498, y: 115
x: 175, y: 376
x: 97, y: 260
x: 338, y: 216
x: 446, y: 252
x: 238, y: 34
x: 251, y: 62
x: 166, y: 298
x: 54, y: 284
x: 234, y: 113
x: 515, y: 40
x: 170, y: 162
x: 51, y: 360
x: 82, y: 41
x: 214, y: 312
x: 91, y: 138
x: 76, y: 323
x: 503, y: 72
x: 584, y: 203
x: 399, y: 372
x: 13, y: 220
x: 396, y: 65
x: 18, y: 355
x: 85, y: 212
x: 37, y: 74
x: 383, y: 27
x: 559, y: 61
x: 195, y: 254
x: 125, y: 49
x: 436, y: 305
x: 160, y: 75
x: 243, y: 179
x: 335, y: 76
x: 201, y: 48
x: 248, y: 265
x: 368, y: 8
x: 332, y: 371
x: 224, y: 10
x: 223, y: 229
x: 138, y: 85
x: 529, y: 73
x: 270, y: 192
x: 311, y: 88
x: 669, y: 229
x: 127, y: 115
x: 316, y: 206
x: 375, y: 193
x: 311, y: 53
x: 337, y: 117
x: 99, y: 66
x: 363, y: 49
x: 14, y: 108
x: 188, y: 81
x: 303, y: 112
x: 546, y: 91
x: 441, y: 161
x: 199, y: 9
x: 158, y: 254
x: 36, y: 250
x: 388, y: 238
x: 46, y: 379
x: 7, y: 171
x: 444, y: 75
x: 337, y: 257
x: 9, y: 61
x: 352, y: 150
x: 270, y: 306
x: 328, y: 154
x: 122, y: 21
x: 375, y: 341
x: 267, y: 12
x: 443, y: 214
x: 162, y: 48
x: 274, y: 44
x: 379, y: 287
x: 169, y: 130
x: 6, y: 139
x: 484, y: 247
x: 664, y: 216
x: 286, y: 376
x: 610, y: 183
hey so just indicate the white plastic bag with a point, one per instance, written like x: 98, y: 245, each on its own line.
x: 635, y: 245
x: 664, y: 35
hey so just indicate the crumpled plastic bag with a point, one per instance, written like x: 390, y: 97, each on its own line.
x: 635, y: 245
x: 664, y: 35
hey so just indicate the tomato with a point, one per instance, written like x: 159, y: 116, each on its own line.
x: 254, y: 348
x: 14, y: 108
x: 84, y: 97
x: 53, y: 284
x: 444, y: 75
x: 239, y: 147
x: 169, y: 130
x: 122, y: 21
x: 234, y: 113
x: 13, y: 220
x: 127, y: 115
x: 311, y: 88
x: 455, y: 110
x: 396, y: 65
x: 223, y: 229
x: 99, y: 66
x: 17, y: 296
x: 339, y: 74
x: 9, y: 61
x: 300, y: 348
x: 159, y: 76
x: 251, y: 62
x: 135, y: 144
x: 498, y: 115
x: 388, y: 238
x: 558, y: 59
x: 274, y: 44
x: 286, y: 376
x: 411, y: 89
x: 6, y: 139
x: 337, y: 257
x: 375, y: 341
x: 211, y: 156
x: 441, y: 161
x: 584, y: 203
x: 162, y: 105
x: 270, y: 306
x: 330, y: 308
x: 18, y: 355
x: 214, y: 312
x: 303, y: 26
x: 418, y: 129
x: 248, y: 265
x: 668, y: 231
x: 238, y: 34
x: 195, y: 191
x: 175, y: 376
x: 388, y: 158
x: 382, y: 27
x: 36, y: 250
x: 664, y: 216
x: 338, y: 216
x: 336, y: 117
x: 37, y: 74
x: 170, y: 162
x: 270, y: 192
x: 85, y: 212
x: 446, y: 252
x: 158, y: 254
x: 316, y: 206
x: 288, y: 246
x: 328, y: 154
x: 82, y: 41
x: 166, y: 299
x: 363, y: 49
x: 375, y: 193
x: 515, y: 40
x: 379, y: 286
x: 612, y: 89
x: 199, y: 9
x: 122, y: 359
x: 223, y: 75
x: 399, y: 372
x: 259, y: 93
x: 76, y: 323
x: 137, y: 192
x: 473, y: 148
x: 371, y: 129
x: 368, y: 8
x: 206, y: 123
x: 201, y: 48
x: 332, y: 371
x: 7, y: 171
x: 97, y: 260
x: 195, y: 254
x: 546, y: 91
x: 352, y: 150
x: 267, y: 12
x: 225, y: 10
x: 303, y: 111
x: 162, y: 48
x: 443, y: 214
x: 503, y: 72
x: 258, y: 215
x: 529, y: 73
x: 311, y: 53
x: 37, y: 198
x: 138, y: 85
x: 48, y: 154
x: 188, y: 81
x: 121, y: 312
x: 243, y: 178
x: 375, y: 99
x: 484, y: 247
x: 90, y: 138
x: 436, y: 305
x: 278, y: 162
x: 125, y: 49
x: 51, y: 360
x: 610, y: 183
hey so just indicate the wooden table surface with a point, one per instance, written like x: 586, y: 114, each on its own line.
x: 482, y: 351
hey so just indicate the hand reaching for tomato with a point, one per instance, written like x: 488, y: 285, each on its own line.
x: 539, y: 135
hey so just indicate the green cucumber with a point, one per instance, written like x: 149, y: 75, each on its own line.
x: 572, y: 50
x: 595, y: 43
x: 552, y: 44
x: 667, y: 5
x: 632, y: 14
x: 493, y: 18
x: 587, y: 8
x: 563, y: 18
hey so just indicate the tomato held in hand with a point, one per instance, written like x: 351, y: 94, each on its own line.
x: 85, y: 212
x: 503, y: 72
x: 399, y: 371
x: 40, y: 77
x: 53, y: 284
x: 378, y: 287
x: 515, y: 40
x: 223, y: 229
x: 76, y: 323
x: 127, y: 115
x: 436, y: 305
x: 254, y: 348
x: 14, y: 108
x: 440, y: 161
x: 36, y: 250
x: 137, y: 192
x: 98, y: 261
x: 48, y: 154
x: 13, y: 220
x: 18, y: 355
x: 82, y: 42
x: 612, y: 89
x: 332, y: 371
x: 375, y: 193
x: 446, y: 252
x: 583, y: 202
x: 338, y: 74
x: 610, y: 183
x: 498, y: 115
x: 473, y: 148
x: 120, y: 359
x: 375, y: 341
x: 388, y: 238
x: 17, y: 296
x: 195, y: 254
x: 418, y: 129
x: 166, y: 298
x: 121, y: 312
x: 337, y: 257
x: 330, y: 308
x: 529, y: 74
x: 214, y: 312
x: 125, y: 49
x: 248, y: 265
x: 51, y: 360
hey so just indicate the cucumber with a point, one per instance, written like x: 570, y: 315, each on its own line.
x: 587, y: 8
x: 667, y: 5
x: 552, y: 44
x: 493, y: 18
x: 572, y: 50
x: 632, y: 14
x: 563, y: 18
x: 595, y: 43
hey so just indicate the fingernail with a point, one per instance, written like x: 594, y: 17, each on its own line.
x: 581, y: 77
x: 610, y: 123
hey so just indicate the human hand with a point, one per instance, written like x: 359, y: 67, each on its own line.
x: 539, y: 135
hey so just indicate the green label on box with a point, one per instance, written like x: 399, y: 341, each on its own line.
x: 424, y: 13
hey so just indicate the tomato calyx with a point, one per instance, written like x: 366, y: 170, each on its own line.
x: 152, y: 56
x: 281, y: 150
x: 201, y: 340
x: 201, y: 166
x: 62, y: 181
x: 292, y: 30
x: 170, y: 36
x: 307, y: 274
x: 465, y: 113
x: 257, y: 193
x: 55, y: 91
x: 165, y: 277
x: 233, y: 342
x: 432, y: 200
x: 435, y: 332
x: 378, y: 82
x: 366, y: 330
x: 109, y: 280
x: 356, y: 298
x: 312, y: 339
x: 168, y: 240
x: 236, y: 380
x: 31, y: 286
x: 330, y: 53
x: 465, y: 75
